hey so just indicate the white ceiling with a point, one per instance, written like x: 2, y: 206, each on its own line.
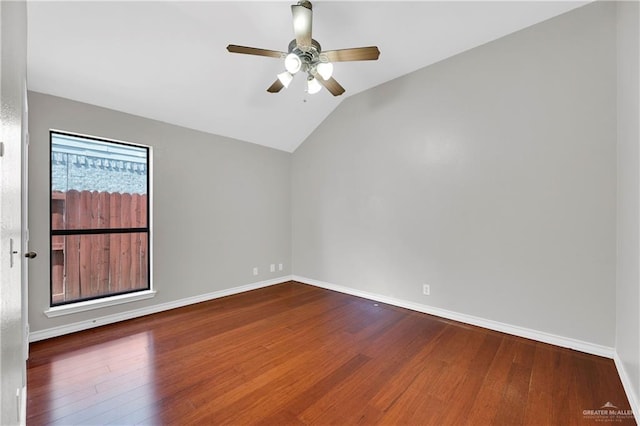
x: 168, y: 60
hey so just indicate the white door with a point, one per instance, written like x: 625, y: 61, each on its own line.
x: 13, y: 26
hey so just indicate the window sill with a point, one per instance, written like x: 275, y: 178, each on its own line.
x: 89, y: 305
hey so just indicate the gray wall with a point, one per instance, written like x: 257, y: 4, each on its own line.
x: 13, y: 72
x: 220, y: 206
x: 490, y: 176
x: 628, y: 272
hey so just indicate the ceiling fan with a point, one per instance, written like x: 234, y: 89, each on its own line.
x: 305, y: 55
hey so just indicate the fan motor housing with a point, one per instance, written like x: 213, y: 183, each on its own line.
x: 309, y: 55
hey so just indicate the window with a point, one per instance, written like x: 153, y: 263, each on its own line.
x: 99, y: 218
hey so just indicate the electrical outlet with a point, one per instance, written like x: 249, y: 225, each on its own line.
x: 272, y: 268
x: 426, y: 289
x: 280, y: 267
x: 255, y: 271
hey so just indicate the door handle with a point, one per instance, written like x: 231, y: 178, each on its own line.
x: 30, y: 254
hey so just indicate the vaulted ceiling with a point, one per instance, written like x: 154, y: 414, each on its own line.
x: 168, y: 60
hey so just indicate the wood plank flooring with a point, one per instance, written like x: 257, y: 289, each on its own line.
x: 293, y: 354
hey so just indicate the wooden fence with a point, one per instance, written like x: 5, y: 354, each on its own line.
x: 90, y: 265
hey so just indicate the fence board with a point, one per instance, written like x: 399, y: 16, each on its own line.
x: 125, y: 243
x: 97, y: 264
x: 104, y: 240
x: 94, y: 241
x: 85, y: 245
x: 57, y: 275
x: 72, y: 248
x: 114, y: 252
x: 57, y: 246
x: 144, y: 262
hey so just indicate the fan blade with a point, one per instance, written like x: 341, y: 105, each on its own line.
x: 370, y: 53
x: 275, y: 87
x: 332, y: 85
x: 302, y: 17
x: 233, y: 48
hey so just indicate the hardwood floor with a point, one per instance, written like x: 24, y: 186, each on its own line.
x: 293, y: 354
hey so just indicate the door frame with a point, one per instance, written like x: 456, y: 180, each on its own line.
x: 24, y: 225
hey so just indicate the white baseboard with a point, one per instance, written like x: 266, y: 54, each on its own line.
x: 22, y: 421
x: 48, y: 333
x: 632, y: 396
x: 541, y: 336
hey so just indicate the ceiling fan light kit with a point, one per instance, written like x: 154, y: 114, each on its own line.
x: 285, y: 78
x: 313, y: 86
x: 305, y: 55
x: 325, y: 69
x: 292, y: 63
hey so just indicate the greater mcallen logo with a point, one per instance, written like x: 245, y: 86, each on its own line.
x: 607, y: 413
